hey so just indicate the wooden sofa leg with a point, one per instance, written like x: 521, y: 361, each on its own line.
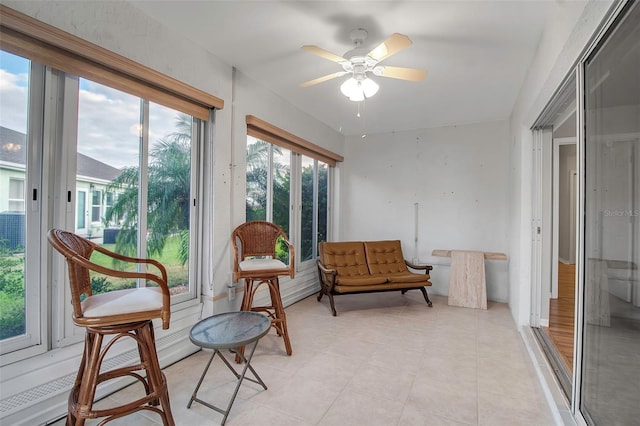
x: 320, y: 293
x: 426, y: 296
x: 333, y: 306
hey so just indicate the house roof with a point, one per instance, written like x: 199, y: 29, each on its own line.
x: 12, y: 147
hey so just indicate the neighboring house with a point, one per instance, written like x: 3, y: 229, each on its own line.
x: 91, y: 185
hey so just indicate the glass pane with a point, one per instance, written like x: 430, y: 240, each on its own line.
x: 611, y: 339
x: 281, y: 181
x: 108, y: 160
x: 169, y: 193
x: 14, y: 101
x: 323, y: 174
x: 307, y: 214
x: 257, y: 178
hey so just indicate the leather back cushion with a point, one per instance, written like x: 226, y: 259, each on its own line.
x: 347, y: 258
x: 385, y: 257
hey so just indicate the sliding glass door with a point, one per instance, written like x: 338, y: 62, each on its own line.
x: 610, y: 385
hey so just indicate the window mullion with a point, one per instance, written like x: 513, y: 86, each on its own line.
x: 296, y: 204
x: 316, y: 208
x: 269, y: 212
x: 143, y: 186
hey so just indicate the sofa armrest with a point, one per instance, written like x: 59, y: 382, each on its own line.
x: 425, y: 268
x: 327, y: 276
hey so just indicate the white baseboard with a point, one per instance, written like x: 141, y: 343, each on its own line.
x: 553, y: 393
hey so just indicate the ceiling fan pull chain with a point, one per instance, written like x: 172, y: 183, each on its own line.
x: 364, y: 134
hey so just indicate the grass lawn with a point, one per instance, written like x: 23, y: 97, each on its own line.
x: 178, y: 274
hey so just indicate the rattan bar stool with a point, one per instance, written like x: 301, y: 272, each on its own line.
x: 254, y: 245
x: 122, y: 313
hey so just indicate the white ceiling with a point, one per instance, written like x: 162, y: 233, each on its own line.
x: 476, y: 53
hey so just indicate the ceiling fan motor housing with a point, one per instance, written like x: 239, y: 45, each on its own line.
x: 359, y: 65
x: 358, y: 61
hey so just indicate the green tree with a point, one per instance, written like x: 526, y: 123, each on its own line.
x: 168, y: 194
x: 306, y: 226
x: 258, y: 159
x: 257, y: 179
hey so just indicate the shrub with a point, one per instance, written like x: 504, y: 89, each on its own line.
x: 11, y: 316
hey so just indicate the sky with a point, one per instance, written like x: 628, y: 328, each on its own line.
x: 109, y: 120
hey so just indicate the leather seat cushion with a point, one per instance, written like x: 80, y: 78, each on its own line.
x: 385, y: 257
x: 360, y: 280
x: 347, y: 258
x: 408, y: 277
x: 378, y: 287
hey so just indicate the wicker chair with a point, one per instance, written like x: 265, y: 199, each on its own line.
x: 118, y: 313
x: 254, y: 246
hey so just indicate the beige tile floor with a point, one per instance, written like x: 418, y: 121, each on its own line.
x: 386, y: 359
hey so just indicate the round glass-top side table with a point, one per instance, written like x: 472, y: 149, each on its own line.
x: 230, y: 330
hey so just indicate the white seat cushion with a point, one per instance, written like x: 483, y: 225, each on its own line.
x: 261, y: 264
x: 122, y: 302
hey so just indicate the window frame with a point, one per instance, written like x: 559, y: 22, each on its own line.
x: 295, y: 198
x: 26, y: 36
x: 315, y: 212
x: 52, y: 164
x: 33, y: 341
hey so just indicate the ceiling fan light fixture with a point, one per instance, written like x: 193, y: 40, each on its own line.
x: 349, y: 87
x: 369, y: 87
x: 357, y: 95
x: 357, y: 90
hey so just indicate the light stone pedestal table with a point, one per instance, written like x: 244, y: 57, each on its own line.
x: 467, y: 282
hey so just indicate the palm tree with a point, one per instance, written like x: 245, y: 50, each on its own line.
x: 168, y: 194
x: 257, y: 178
x: 258, y: 157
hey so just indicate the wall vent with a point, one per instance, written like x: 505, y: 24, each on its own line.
x: 62, y: 385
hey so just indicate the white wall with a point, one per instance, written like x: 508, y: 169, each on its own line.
x: 567, y: 166
x: 570, y: 28
x: 458, y: 175
x: 123, y: 29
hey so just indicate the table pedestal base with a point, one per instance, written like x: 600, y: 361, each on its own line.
x: 467, y: 282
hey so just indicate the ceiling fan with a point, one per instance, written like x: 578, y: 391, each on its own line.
x: 359, y: 64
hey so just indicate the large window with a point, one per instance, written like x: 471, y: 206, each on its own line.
x: 313, y: 224
x: 18, y: 309
x: 132, y: 151
x: 123, y: 178
x: 285, y: 187
x: 268, y: 183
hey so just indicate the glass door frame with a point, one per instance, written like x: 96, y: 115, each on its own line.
x: 578, y: 72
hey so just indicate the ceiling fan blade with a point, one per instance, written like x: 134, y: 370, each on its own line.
x: 411, y: 74
x: 395, y: 43
x: 322, y: 79
x: 324, y: 53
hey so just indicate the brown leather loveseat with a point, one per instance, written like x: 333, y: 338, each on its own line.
x: 367, y: 266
